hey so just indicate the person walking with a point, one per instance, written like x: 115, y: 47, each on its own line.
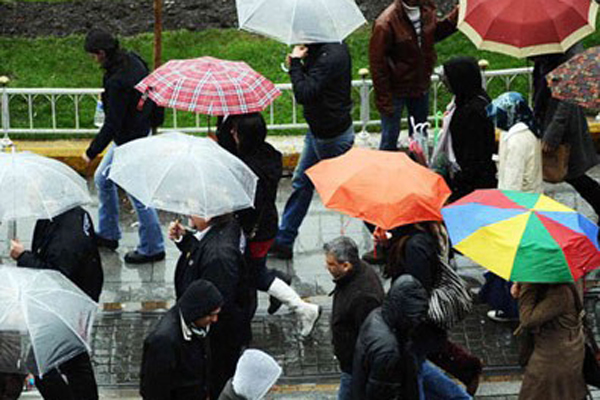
x: 259, y: 223
x: 562, y: 122
x: 357, y: 292
x: 215, y: 252
x: 520, y: 169
x: 176, y: 361
x: 66, y: 244
x: 416, y: 250
x: 321, y: 75
x: 552, y: 314
x: 471, y: 130
x: 385, y: 366
x: 128, y: 117
x: 401, y: 57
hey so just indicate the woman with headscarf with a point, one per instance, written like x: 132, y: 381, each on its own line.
x: 472, y: 132
x: 520, y: 168
x: 565, y: 123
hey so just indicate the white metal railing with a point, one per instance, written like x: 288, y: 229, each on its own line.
x: 70, y: 111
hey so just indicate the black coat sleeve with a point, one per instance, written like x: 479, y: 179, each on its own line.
x: 187, y: 243
x: 308, y: 85
x: 57, y: 258
x: 421, y: 260
x: 116, y: 110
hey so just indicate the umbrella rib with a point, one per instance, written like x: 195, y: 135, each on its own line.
x: 39, y: 193
x: 331, y: 17
x: 160, y: 181
x: 252, y: 12
x: 292, y: 22
x: 82, y: 296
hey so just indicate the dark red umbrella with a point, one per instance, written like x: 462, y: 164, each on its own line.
x: 578, y: 80
x: 523, y: 28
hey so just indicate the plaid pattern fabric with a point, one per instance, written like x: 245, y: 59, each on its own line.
x: 210, y: 86
x: 578, y: 80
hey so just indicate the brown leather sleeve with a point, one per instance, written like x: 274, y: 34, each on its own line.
x: 447, y: 26
x: 380, y: 69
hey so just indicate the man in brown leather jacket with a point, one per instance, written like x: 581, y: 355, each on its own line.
x: 402, y: 57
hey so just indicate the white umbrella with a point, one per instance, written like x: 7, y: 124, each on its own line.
x: 183, y: 174
x: 45, y: 320
x: 300, y: 21
x: 33, y: 186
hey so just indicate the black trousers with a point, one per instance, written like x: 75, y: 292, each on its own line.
x: 589, y: 189
x: 73, y: 380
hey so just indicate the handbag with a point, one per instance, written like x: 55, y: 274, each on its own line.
x: 450, y: 301
x: 555, y: 164
x: 591, y: 367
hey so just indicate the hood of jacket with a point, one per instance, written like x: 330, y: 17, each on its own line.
x: 255, y: 373
x: 199, y: 300
x: 464, y: 78
x: 405, y: 305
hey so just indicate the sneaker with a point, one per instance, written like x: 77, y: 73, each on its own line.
x: 370, y: 258
x: 500, y: 316
x: 281, y: 252
x: 133, y: 257
x: 106, y: 243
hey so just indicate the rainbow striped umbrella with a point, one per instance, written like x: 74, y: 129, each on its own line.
x: 523, y: 237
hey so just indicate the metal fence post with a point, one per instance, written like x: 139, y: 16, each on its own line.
x: 5, y: 113
x: 364, y: 137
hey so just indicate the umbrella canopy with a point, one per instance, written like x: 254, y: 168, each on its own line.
x: 184, y: 174
x: 523, y: 237
x: 523, y: 28
x: 300, y: 21
x: 32, y: 186
x: 384, y: 188
x: 210, y: 86
x: 578, y: 80
x: 45, y: 320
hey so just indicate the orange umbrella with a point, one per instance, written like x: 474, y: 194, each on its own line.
x: 384, y: 188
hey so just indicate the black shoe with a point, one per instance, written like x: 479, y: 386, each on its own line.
x: 281, y: 252
x: 274, y: 303
x: 133, y: 257
x: 106, y: 243
x: 372, y: 259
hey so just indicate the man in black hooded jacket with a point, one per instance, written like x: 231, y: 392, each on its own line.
x: 384, y: 367
x: 176, y: 358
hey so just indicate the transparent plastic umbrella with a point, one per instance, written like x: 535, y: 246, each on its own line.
x: 45, y: 320
x: 33, y: 186
x: 300, y: 21
x: 184, y: 174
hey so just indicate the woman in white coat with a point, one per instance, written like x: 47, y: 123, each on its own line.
x: 520, y: 168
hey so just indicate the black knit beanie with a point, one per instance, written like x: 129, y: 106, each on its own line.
x: 98, y: 39
x: 200, y: 299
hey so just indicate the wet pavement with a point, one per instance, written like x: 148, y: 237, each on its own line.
x: 133, y: 297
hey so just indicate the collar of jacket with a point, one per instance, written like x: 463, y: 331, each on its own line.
x: 185, y: 330
x: 346, y: 279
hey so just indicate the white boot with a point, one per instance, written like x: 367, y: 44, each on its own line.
x: 307, y: 313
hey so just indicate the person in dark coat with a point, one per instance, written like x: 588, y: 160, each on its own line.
x: 416, y: 250
x: 176, y: 361
x: 565, y: 123
x: 216, y: 253
x: 127, y: 117
x: 471, y: 130
x: 384, y: 366
x: 259, y: 223
x: 357, y: 292
x: 66, y: 244
x: 321, y: 75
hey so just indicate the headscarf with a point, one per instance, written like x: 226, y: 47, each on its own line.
x: 464, y: 78
x: 510, y: 108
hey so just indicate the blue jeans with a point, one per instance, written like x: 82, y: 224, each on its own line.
x: 151, y: 239
x: 418, y: 108
x: 315, y: 150
x: 435, y: 385
x: 345, y: 390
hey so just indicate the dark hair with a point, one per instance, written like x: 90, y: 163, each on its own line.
x: 99, y: 40
x: 251, y: 130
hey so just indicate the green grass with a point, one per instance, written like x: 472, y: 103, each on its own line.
x: 61, y: 62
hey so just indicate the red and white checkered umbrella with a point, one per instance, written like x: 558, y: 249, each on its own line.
x: 210, y: 86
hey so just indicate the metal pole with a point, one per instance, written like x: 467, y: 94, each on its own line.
x: 157, y: 33
x: 364, y: 137
x: 5, y: 113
